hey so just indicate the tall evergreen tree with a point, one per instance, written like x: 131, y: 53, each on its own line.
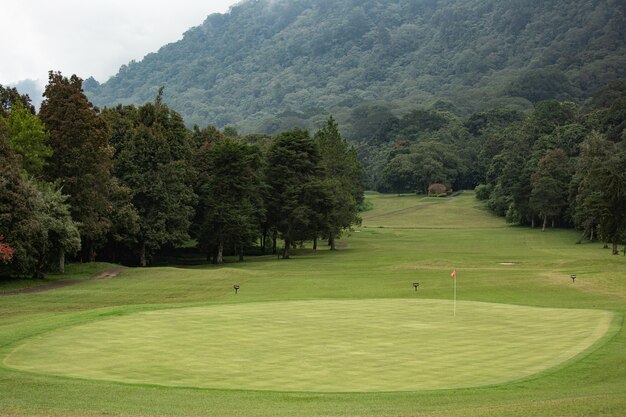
x: 611, y: 180
x: 229, y: 191
x: 153, y: 162
x: 587, y: 204
x: 343, y: 174
x: 550, y: 185
x: 292, y: 168
x: 82, y: 156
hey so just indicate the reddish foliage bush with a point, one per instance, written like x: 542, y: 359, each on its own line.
x: 437, y: 189
x: 6, y: 252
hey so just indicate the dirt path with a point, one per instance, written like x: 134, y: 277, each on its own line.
x: 108, y: 274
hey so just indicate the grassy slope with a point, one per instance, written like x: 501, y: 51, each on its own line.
x: 381, y: 261
x: 77, y: 272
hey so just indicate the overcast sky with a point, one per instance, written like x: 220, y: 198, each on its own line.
x: 91, y: 38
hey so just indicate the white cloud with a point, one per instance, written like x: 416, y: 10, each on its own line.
x: 91, y: 38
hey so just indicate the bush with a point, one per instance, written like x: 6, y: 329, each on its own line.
x: 437, y: 189
x: 482, y: 192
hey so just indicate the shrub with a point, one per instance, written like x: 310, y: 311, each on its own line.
x: 482, y: 192
x: 437, y: 189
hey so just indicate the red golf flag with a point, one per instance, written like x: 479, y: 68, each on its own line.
x: 453, y: 274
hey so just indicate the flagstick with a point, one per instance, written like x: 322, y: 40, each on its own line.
x: 455, y: 296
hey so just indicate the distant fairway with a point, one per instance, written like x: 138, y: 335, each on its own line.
x: 325, y: 346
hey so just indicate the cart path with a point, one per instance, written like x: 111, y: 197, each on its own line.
x: 107, y: 274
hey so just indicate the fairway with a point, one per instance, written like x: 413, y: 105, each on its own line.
x: 319, y: 346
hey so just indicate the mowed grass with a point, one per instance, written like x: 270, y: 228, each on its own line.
x: 498, y: 265
x: 319, y: 346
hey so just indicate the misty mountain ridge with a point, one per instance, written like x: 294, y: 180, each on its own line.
x: 267, y: 66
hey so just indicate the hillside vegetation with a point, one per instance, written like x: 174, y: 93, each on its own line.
x: 271, y: 65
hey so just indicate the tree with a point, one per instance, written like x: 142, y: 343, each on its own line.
x: 9, y: 97
x: 34, y: 218
x: 550, y: 185
x: 58, y: 232
x: 228, y: 186
x: 121, y: 238
x: 209, y: 134
x: 17, y: 214
x: 343, y: 174
x: 291, y: 169
x: 587, y: 204
x: 611, y: 179
x: 82, y: 156
x: 153, y: 162
x: 28, y: 139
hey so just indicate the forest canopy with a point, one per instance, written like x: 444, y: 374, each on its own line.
x: 269, y: 66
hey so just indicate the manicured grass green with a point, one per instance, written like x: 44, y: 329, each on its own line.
x: 319, y: 346
x: 377, y: 264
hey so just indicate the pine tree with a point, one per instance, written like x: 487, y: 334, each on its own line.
x: 343, y: 173
x: 229, y: 190
x: 292, y: 168
x: 153, y: 161
x: 550, y: 185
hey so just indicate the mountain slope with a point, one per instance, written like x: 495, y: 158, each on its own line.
x: 267, y: 65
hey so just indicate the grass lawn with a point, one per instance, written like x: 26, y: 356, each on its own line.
x: 337, y: 333
x: 74, y: 272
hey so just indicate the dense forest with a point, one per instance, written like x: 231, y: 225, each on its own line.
x: 272, y: 65
x: 130, y: 183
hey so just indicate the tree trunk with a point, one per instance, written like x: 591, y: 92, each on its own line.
x: 274, y: 243
x: 39, y: 264
x: 532, y: 222
x: 62, y: 260
x: 219, y: 259
x: 582, y: 236
x: 240, y: 253
x: 591, y: 234
x: 331, y: 241
x: 286, y: 250
x: 315, y: 245
x: 553, y: 223
x: 142, y: 255
x: 545, y: 222
x: 263, y: 240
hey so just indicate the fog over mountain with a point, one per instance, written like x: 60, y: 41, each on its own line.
x: 271, y: 65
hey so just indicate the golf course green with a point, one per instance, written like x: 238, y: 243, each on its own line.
x: 340, y: 333
x: 330, y: 346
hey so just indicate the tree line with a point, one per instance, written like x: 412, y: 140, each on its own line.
x: 562, y: 164
x: 126, y: 183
